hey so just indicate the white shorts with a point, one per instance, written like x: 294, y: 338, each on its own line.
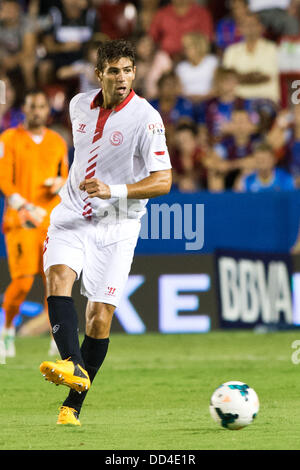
x: 102, y: 253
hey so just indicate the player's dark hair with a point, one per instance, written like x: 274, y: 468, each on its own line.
x: 113, y: 50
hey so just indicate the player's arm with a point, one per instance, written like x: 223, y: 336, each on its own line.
x: 156, y: 184
x: 7, y: 185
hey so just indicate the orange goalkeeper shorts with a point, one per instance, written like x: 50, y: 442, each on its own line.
x: 25, y: 251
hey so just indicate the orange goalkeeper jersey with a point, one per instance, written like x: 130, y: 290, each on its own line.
x: 26, y: 165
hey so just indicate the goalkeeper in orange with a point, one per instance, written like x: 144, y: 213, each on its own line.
x: 33, y: 167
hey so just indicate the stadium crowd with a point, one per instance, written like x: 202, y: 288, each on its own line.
x: 222, y: 73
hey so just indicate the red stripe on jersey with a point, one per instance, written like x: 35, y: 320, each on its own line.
x: 102, y: 118
x: 93, y: 158
x: 87, y: 212
x: 90, y: 175
x: 91, y: 167
x: 159, y: 153
x: 94, y: 149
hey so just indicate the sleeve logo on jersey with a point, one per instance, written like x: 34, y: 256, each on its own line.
x: 1, y: 149
x: 116, y: 138
x: 156, y: 128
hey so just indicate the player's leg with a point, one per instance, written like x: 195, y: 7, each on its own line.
x: 53, y: 350
x: 64, y: 322
x: 23, y: 259
x: 63, y: 257
x: 14, y: 296
x: 61, y: 310
x: 105, y: 267
x: 94, y: 347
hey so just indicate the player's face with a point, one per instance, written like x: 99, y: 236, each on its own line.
x: 116, y: 79
x: 36, y: 110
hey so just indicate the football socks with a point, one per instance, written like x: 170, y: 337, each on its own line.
x: 64, y: 323
x: 93, y: 353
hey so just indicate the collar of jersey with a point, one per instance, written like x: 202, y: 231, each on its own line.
x: 98, y: 100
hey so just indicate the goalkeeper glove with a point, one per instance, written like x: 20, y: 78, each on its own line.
x: 54, y: 184
x: 30, y: 216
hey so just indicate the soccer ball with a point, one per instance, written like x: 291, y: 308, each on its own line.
x: 234, y: 405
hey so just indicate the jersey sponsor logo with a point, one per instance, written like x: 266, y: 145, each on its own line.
x: 156, y: 128
x: 111, y: 291
x: 116, y: 138
x: 81, y: 128
x: 1, y: 149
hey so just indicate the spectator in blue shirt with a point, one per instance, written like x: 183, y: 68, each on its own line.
x: 172, y: 106
x: 227, y: 29
x: 267, y: 176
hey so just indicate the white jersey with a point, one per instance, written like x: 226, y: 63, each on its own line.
x: 117, y: 146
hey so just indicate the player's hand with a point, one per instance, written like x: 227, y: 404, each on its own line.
x: 16, y: 201
x: 31, y: 216
x: 54, y: 184
x: 95, y: 188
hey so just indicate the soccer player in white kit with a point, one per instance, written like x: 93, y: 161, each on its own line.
x: 121, y: 160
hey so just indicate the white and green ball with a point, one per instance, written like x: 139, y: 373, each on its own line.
x: 234, y: 405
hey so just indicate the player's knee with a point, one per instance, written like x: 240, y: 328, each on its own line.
x: 98, y: 320
x: 17, y: 290
x: 59, y: 280
x: 24, y: 284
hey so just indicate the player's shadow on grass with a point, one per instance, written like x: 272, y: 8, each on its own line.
x: 198, y: 430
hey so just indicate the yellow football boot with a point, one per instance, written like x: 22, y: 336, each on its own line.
x: 68, y: 415
x: 65, y: 372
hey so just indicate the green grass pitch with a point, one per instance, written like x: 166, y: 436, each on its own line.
x: 153, y: 394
